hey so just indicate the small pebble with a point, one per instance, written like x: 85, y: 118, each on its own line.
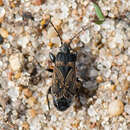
x: 85, y: 37
x: 113, y: 87
x: 13, y: 92
x: 17, y: 75
x: 25, y: 126
x: 23, y: 41
x: 1, y: 20
x: 20, y: 88
x: 126, y: 85
x: 2, y: 12
x: 3, y: 33
x: 12, y: 5
x: 38, y: 2
x: 27, y: 92
x: 116, y: 108
x: 32, y: 113
x: 50, y: 44
x: 1, y: 2
x: 51, y: 33
x: 93, y: 125
x: 3, y: 101
x: 57, y: 22
x: 32, y: 101
x: 10, y: 74
x: 16, y: 61
x: 75, y: 124
x: 127, y: 109
x: 99, y: 79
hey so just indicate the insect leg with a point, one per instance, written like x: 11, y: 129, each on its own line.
x: 52, y: 57
x: 48, y: 92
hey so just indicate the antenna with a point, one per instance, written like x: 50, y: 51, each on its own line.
x: 83, y: 29
x: 56, y: 31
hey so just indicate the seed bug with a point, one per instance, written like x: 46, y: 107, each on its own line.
x: 65, y: 85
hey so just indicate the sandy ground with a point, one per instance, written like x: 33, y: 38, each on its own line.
x: 103, y: 64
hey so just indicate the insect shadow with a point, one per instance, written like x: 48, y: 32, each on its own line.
x: 87, y: 72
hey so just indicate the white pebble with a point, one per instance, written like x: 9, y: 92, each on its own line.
x: 85, y: 37
x: 129, y: 51
x: 91, y: 111
x: 107, y: 73
x: 128, y: 78
x: 13, y: 93
x: 116, y: 108
x: 10, y: 38
x: 6, y: 46
x: 16, y: 61
x: 23, y: 41
x: 18, y: 18
x: 53, y: 118
x: 127, y: 109
x: 11, y: 84
x: 97, y: 27
x: 1, y: 64
x: 119, y: 60
x: 35, y: 124
x: 107, y: 64
x: 2, y: 12
x: 112, y: 45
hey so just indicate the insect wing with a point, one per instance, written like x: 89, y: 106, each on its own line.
x: 58, y: 83
x: 70, y: 77
x: 58, y: 75
x: 70, y: 83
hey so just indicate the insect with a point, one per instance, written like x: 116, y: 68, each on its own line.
x: 65, y: 85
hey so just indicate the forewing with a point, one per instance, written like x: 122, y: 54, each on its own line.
x: 70, y: 82
x: 58, y: 83
x: 58, y: 75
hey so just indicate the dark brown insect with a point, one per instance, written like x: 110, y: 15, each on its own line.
x: 65, y: 85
